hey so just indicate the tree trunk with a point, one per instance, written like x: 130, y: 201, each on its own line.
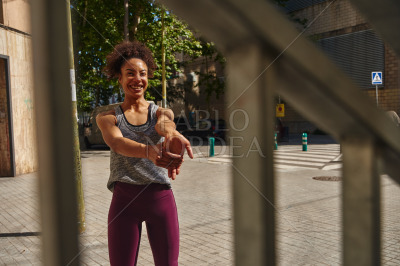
x: 163, y: 80
x: 136, y: 21
x: 97, y: 96
x: 126, y: 20
x: 84, y: 14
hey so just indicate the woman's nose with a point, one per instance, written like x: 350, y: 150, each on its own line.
x: 136, y: 76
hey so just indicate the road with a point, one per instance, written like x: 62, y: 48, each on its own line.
x: 308, y: 211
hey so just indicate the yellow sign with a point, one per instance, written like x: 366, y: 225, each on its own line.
x: 280, y: 110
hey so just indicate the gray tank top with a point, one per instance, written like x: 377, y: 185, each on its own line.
x: 137, y: 171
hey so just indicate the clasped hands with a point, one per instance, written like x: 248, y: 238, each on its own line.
x: 169, y: 154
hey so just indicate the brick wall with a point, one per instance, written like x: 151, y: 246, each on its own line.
x: 337, y: 19
x: 328, y: 16
x: 388, y: 94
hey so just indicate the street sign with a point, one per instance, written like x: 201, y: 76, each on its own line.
x: 280, y: 110
x: 377, y: 78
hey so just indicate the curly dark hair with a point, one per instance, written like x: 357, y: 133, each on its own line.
x: 125, y: 51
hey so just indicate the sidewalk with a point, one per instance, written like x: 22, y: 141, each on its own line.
x: 308, y: 217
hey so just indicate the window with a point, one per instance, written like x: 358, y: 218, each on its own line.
x: 357, y: 54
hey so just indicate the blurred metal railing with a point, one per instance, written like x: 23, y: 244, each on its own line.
x: 54, y: 130
x: 266, y: 55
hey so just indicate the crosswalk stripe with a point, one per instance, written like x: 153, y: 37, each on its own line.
x: 281, y: 166
x: 222, y: 160
x: 304, y: 158
x: 308, y: 155
x: 290, y: 158
x: 335, y: 166
x: 310, y: 151
x: 296, y: 162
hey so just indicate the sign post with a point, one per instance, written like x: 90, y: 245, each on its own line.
x: 377, y: 79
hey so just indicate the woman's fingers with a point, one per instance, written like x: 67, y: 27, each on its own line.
x: 173, y: 173
x: 172, y: 162
x: 166, y: 158
x: 189, y: 151
x: 171, y: 155
x: 168, y: 163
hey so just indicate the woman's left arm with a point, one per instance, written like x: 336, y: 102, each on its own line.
x: 174, y: 141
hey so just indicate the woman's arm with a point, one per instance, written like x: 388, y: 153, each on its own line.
x: 112, y: 135
x: 174, y: 141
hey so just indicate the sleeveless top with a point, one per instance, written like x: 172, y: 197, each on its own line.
x: 137, y: 171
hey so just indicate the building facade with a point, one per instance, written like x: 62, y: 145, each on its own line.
x: 346, y: 37
x: 196, y: 104
x: 18, y: 146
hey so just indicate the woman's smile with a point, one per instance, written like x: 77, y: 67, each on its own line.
x: 133, y: 78
x: 136, y: 88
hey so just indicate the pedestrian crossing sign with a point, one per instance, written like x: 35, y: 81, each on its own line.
x: 377, y: 78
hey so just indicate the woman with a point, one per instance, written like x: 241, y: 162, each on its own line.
x: 144, y: 147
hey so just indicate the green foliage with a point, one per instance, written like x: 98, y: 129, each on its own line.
x: 178, y: 39
x: 98, y: 25
x: 209, y: 81
x: 96, y: 29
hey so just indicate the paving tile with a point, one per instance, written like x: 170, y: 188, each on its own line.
x: 308, y: 217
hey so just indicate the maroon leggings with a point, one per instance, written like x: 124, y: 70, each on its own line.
x: 130, y: 206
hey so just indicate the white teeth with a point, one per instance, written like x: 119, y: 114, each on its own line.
x: 136, y: 88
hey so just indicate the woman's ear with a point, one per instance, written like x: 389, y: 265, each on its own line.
x: 119, y: 78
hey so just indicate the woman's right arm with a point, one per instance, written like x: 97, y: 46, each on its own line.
x: 113, y: 137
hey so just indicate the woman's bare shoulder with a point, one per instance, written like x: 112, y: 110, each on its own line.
x: 108, y: 116
x: 107, y: 113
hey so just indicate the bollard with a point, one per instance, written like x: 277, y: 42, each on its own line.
x: 212, y: 144
x: 304, y: 137
x: 276, y: 143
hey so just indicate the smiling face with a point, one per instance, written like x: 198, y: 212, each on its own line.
x: 133, y: 78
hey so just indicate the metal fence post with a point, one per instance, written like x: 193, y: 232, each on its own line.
x: 361, y: 202
x: 54, y: 130
x: 251, y: 137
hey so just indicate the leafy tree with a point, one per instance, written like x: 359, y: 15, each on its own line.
x: 209, y: 80
x: 99, y: 24
x: 96, y: 29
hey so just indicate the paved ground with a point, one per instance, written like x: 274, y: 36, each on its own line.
x: 308, y: 212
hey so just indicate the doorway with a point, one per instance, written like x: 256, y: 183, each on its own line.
x: 7, y: 161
